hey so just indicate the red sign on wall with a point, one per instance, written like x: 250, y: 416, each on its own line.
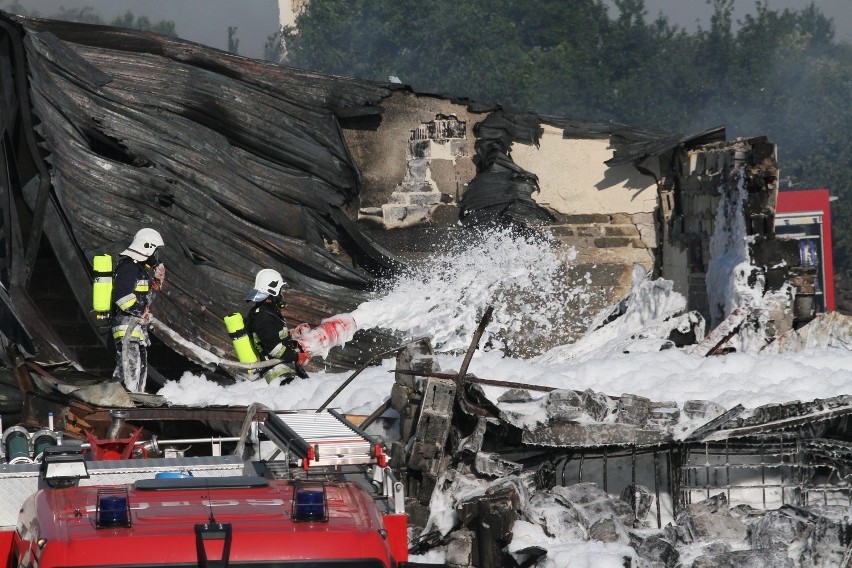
x: 805, y: 215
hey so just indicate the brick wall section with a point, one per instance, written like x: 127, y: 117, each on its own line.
x: 607, y: 247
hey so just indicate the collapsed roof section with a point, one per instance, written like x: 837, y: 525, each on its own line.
x: 242, y: 164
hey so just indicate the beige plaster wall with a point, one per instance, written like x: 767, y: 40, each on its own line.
x: 574, y: 178
x: 381, y: 154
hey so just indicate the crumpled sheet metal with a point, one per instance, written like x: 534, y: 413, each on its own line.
x: 239, y: 164
x: 830, y: 330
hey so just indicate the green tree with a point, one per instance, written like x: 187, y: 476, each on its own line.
x: 233, y: 40
x: 15, y: 7
x: 128, y: 20
x: 272, y: 48
x: 84, y: 15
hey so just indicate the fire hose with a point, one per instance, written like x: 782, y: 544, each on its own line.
x: 331, y: 332
x: 205, y: 355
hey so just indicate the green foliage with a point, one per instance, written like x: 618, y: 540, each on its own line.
x: 15, y: 7
x: 233, y: 40
x: 128, y: 20
x: 88, y: 15
x: 776, y: 73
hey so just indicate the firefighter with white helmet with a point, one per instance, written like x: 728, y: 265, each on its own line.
x: 268, y: 329
x: 139, y: 274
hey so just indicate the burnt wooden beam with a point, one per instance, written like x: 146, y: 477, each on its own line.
x: 469, y: 378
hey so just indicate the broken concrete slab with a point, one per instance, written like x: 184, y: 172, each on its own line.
x: 591, y: 504
x: 709, y: 521
x: 776, y: 558
x: 656, y: 550
x: 568, y: 406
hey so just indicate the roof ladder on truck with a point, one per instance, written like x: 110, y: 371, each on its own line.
x: 322, y: 439
x: 326, y: 440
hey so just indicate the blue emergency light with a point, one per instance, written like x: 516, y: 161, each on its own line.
x: 113, y: 509
x: 310, y: 503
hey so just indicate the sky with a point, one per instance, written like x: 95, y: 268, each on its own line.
x: 207, y: 21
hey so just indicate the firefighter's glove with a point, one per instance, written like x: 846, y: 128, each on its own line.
x: 159, y: 277
x: 290, y: 356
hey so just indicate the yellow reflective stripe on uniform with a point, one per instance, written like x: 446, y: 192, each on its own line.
x: 126, y: 301
x: 120, y: 331
x: 284, y: 333
x: 142, y: 286
x: 277, y: 351
x: 278, y: 371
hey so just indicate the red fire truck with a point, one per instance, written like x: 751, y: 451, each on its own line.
x: 210, y: 511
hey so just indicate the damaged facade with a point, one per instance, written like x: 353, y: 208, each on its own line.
x: 337, y: 182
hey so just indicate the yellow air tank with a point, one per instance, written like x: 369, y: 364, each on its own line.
x: 242, y: 343
x: 102, y: 286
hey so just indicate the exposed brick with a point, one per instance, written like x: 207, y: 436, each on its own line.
x: 613, y: 242
x: 620, y: 219
x: 621, y: 231
x: 563, y: 230
x: 588, y: 231
x: 425, y: 198
x: 586, y: 218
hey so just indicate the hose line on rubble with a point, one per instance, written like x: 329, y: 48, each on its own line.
x: 213, y: 359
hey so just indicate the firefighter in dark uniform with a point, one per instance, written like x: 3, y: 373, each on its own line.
x: 268, y: 329
x: 138, y: 276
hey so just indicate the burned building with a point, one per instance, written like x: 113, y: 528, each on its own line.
x: 341, y: 183
x: 242, y: 165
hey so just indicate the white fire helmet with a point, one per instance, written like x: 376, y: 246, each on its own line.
x: 144, y: 244
x: 267, y: 283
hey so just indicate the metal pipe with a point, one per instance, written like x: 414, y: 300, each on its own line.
x: 118, y: 418
x: 210, y: 440
x: 657, y: 489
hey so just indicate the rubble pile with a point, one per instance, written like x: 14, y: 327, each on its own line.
x: 621, y: 479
